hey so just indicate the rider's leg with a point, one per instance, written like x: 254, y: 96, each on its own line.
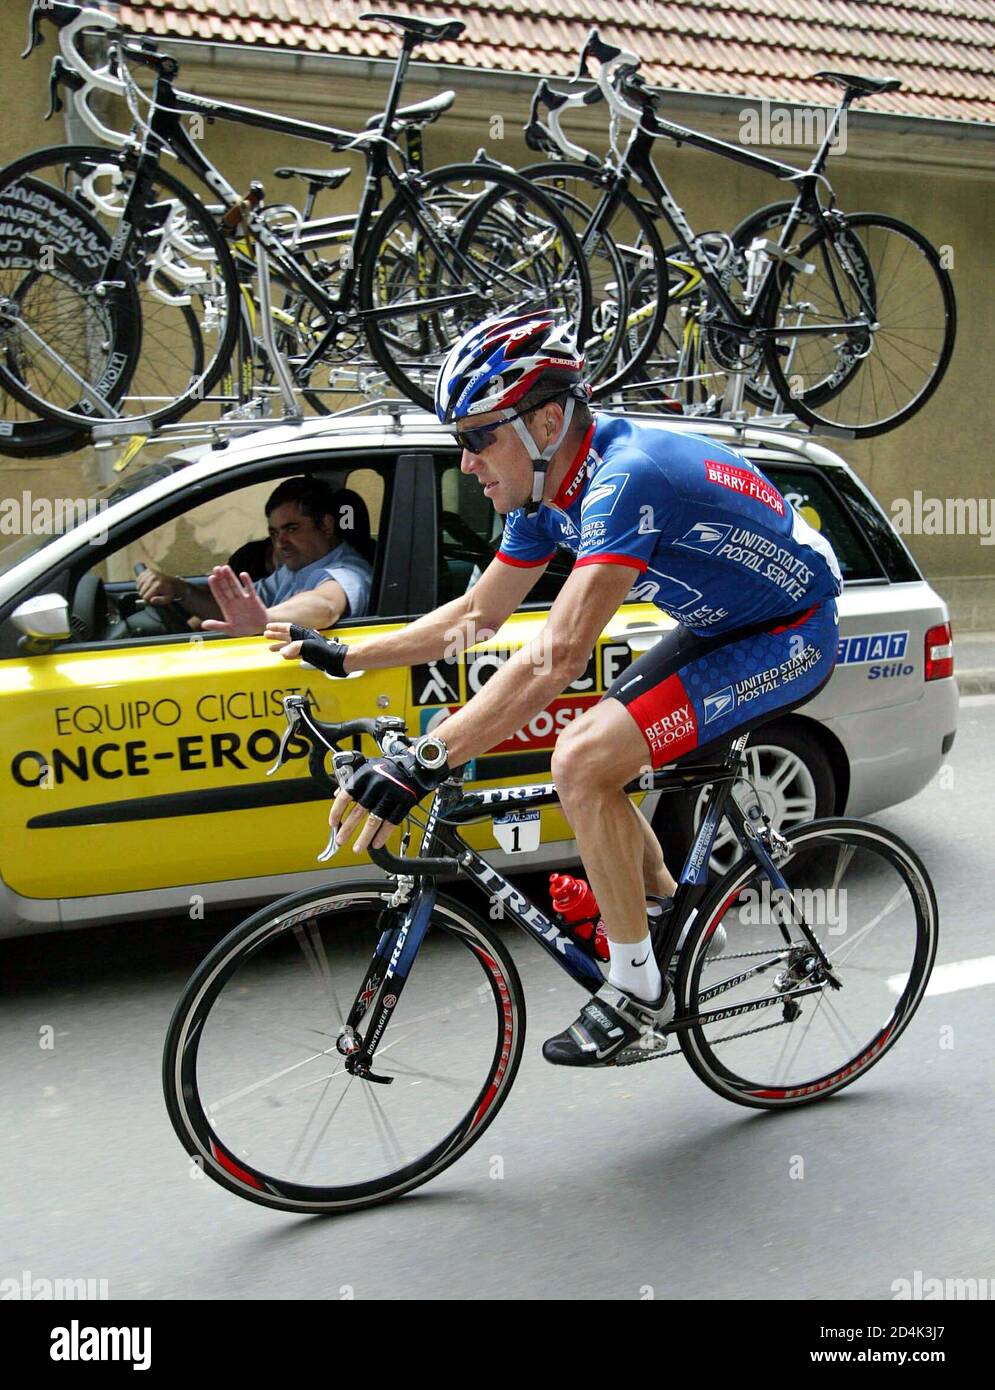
x: 595, y: 756
x: 657, y: 878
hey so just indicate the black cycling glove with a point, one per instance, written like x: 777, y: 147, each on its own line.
x: 388, y: 787
x: 326, y: 656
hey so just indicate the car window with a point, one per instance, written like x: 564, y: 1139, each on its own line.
x: 813, y: 497
x: 229, y: 528
x: 470, y: 534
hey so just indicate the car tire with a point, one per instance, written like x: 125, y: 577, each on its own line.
x: 781, y: 750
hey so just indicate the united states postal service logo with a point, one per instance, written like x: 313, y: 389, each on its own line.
x: 705, y: 536
x: 718, y: 703
x: 602, y: 497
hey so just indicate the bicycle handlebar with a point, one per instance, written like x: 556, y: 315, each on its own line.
x: 547, y: 136
x: 386, y: 730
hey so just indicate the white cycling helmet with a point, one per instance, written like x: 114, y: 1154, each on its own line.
x: 497, y: 363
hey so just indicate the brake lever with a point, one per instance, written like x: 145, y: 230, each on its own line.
x: 294, y: 707
x: 288, y: 734
x: 60, y: 75
x: 35, y: 36
x: 340, y: 760
x: 582, y: 68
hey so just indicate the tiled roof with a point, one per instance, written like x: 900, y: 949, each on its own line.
x: 942, y: 50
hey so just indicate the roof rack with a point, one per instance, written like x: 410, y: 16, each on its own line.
x: 135, y: 435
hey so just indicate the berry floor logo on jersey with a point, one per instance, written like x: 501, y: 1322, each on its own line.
x: 746, y: 483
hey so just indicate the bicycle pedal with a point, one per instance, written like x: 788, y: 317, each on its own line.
x: 640, y: 1052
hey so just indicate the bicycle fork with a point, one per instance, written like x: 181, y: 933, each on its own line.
x: 402, y: 934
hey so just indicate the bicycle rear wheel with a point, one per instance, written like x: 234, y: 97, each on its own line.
x: 259, y: 1092
x: 475, y: 230
x: 793, y: 1037
x: 869, y: 378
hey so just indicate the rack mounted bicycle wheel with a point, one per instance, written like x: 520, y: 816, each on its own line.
x: 881, y: 319
x: 482, y: 241
x: 171, y: 348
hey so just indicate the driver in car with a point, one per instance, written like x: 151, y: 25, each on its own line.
x: 319, y: 580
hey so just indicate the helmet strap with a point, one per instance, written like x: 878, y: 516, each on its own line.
x: 541, y: 458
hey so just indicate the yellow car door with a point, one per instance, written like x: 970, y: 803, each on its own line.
x: 144, y: 767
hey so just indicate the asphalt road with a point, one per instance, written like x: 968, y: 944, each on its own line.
x: 631, y: 1185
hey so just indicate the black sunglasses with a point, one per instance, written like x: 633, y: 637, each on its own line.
x: 479, y: 437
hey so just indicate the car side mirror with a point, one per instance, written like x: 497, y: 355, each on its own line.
x: 44, y: 621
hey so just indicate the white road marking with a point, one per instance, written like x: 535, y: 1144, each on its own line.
x: 959, y: 974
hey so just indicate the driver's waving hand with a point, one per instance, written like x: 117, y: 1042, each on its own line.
x: 636, y: 504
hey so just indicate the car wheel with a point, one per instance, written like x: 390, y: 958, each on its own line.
x: 794, y: 780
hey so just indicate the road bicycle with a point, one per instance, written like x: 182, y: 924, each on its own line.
x: 344, y: 1045
x: 846, y: 320
x: 455, y: 243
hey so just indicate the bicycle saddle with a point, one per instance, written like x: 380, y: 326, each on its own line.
x: 321, y: 178
x: 867, y: 86
x: 419, y: 28
x: 419, y: 114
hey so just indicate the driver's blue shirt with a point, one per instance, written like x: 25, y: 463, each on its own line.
x: 715, y: 543
x: 343, y: 564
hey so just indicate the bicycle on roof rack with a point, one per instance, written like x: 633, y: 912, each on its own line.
x: 454, y: 243
x: 846, y: 320
x: 343, y: 1046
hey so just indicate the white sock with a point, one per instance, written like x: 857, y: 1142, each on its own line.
x: 634, y: 970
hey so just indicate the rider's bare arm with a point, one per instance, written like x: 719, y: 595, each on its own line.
x: 540, y: 671
x: 477, y: 614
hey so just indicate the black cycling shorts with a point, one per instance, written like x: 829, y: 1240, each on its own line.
x: 690, y: 690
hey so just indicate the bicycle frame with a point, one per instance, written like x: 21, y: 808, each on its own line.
x: 166, y: 129
x: 637, y: 158
x: 399, y: 942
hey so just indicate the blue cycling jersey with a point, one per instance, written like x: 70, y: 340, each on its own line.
x: 716, y: 544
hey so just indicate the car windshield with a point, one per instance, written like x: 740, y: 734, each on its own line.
x: 24, y: 545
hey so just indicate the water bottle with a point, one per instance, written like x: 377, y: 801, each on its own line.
x: 576, y: 906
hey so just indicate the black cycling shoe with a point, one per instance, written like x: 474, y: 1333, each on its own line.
x: 609, y: 1023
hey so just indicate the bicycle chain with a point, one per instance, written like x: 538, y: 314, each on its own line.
x: 676, y: 1052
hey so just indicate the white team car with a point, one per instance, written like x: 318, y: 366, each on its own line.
x: 134, y: 753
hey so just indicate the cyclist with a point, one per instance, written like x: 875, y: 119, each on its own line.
x: 652, y: 514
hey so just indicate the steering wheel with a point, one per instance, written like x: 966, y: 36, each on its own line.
x: 89, y: 616
x: 173, y: 616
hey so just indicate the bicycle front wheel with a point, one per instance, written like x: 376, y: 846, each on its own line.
x: 881, y: 319
x: 777, y: 1029
x: 255, y: 1065
x: 481, y: 240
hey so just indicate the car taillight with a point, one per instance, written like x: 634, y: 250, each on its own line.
x: 939, y: 652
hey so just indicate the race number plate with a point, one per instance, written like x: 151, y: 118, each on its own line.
x: 518, y: 832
